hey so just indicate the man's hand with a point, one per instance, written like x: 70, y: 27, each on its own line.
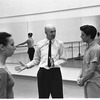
x: 21, y: 67
x: 80, y: 82
x: 52, y: 62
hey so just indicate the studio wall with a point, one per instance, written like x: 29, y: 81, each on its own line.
x: 22, y: 16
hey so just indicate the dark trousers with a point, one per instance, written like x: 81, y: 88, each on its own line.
x: 31, y: 52
x: 50, y: 82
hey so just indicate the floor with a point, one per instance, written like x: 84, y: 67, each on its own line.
x: 26, y: 81
x: 26, y: 87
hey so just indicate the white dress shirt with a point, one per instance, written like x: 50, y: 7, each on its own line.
x: 58, y: 53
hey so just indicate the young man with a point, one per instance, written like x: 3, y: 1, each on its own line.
x: 90, y: 74
x: 30, y: 45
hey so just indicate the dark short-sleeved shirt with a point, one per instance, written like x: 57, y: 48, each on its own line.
x: 6, y: 84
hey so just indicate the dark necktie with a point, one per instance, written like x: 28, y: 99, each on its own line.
x: 49, y: 54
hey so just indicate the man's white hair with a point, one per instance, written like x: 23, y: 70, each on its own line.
x: 49, y: 26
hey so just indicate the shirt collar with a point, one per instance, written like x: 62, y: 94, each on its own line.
x: 52, y: 41
x: 90, y: 44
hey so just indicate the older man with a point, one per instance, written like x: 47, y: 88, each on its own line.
x: 49, y: 55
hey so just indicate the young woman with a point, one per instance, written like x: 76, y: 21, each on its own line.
x: 7, y: 48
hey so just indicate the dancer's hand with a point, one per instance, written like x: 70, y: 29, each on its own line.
x: 80, y: 82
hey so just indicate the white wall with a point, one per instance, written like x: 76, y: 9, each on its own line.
x: 22, y: 16
x: 71, y: 20
x: 93, y: 20
x: 67, y: 28
x: 24, y: 7
x: 18, y: 30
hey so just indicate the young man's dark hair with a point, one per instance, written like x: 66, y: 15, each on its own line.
x: 89, y: 30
